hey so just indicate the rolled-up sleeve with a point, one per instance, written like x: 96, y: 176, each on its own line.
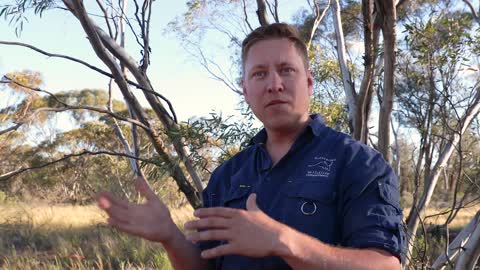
x: 370, y: 208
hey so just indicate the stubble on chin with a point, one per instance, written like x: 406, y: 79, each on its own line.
x: 282, y: 123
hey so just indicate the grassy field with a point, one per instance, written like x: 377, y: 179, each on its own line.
x: 437, y: 218
x: 73, y: 237
x: 76, y: 237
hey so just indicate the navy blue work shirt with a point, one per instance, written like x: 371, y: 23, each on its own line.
x: 328, y: 186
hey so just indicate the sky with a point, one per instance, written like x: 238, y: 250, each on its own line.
x: 174, y: 73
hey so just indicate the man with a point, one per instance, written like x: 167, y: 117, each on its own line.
x: 300, y: 196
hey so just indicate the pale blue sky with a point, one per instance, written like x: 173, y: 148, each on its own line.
x: 173, y: 72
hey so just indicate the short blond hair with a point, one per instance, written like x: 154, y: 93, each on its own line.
x: 275, y: 31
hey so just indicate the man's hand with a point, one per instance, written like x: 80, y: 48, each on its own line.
x: 249, y: 233
x: 150, y: 220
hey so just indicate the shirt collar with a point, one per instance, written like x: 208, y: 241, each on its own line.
x: 315, y: 126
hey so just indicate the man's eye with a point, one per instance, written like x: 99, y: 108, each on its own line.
x: 287, y: 70
x: 259, y: 74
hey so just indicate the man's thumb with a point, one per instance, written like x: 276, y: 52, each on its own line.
x: 252, y: 203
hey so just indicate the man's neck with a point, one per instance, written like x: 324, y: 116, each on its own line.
x: 280, y: 141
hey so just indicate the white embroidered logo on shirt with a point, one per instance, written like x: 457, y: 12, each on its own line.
x: 321, y: 167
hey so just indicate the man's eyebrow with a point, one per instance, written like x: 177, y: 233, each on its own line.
x: 281, y: 64
x: 259, y: 66
x: 285, y: 63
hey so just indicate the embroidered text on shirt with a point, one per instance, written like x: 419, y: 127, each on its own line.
x: 321, y: 168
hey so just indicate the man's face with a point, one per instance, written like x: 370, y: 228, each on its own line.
x: 276, y: 84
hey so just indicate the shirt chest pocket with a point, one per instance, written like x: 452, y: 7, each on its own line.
x: 311, y: 207
x: 237, y: 197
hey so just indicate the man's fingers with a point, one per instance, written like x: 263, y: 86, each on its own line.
x: 120, y: 213
x: 216, y: 212
x: 142, y: 186
x: 103, y: 202
x: 252, y: 203
x: 218, y: 251
x: 208, y: 223
x: 106, y: 200
x: 209, y: 235
x: 124, y: 227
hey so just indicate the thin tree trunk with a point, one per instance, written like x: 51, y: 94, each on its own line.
x: 471, y: 251
x: 318, y: 19
x: 458, y: 244
x: 101, y: 43
x: 134, y: 152
x: 388, y: 10
x: 342, y: 60
x: 363, y: 100
x: 262, y: 12
x: 445, y: 154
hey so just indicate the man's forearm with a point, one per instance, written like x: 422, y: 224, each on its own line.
x: 301, y: 251
x: 183, y: 254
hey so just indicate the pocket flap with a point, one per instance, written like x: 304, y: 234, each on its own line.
x: 312, y: 190
x: 389, y: 194
x: 237, y: 193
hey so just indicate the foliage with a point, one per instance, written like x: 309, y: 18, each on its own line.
x: 16, y: 13
x: 220, y: 136
x: 334, y: 114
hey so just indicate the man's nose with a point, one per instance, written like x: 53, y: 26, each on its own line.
x: 275, y: 83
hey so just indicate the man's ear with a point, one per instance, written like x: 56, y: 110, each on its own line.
x: 310, y: 82
x: 244, y: 90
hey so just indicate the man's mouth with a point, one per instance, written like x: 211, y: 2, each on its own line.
x: 275, y: 102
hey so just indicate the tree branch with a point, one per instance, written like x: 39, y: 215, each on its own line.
x: 472, y: 9
x: 58, y: 56
x: 204, y: 63
x: 77, y: 107
x: 108, y: 43
x: 262, y: 13
x: 342, y: 59
x: 102, y: 40
x: 363, y: 99
x: 105, y: 15
x: 457, y: 245
x: 76, y: 60
x: 103, y: 46
x: 274, y: 11
x: 387, y: 11
x: 318, y: 19
x: 275, y: 7
x: 246, y: 15
x: 119, y: 133
x: 11, y: 174
x: 12, y: 128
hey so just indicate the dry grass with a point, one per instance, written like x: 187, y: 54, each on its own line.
x: 71, y: 216
x: 51, y: 216
x: 43, y: 236
x: 68, y: 216
x: 463, y: 217
x: 75, y: 237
